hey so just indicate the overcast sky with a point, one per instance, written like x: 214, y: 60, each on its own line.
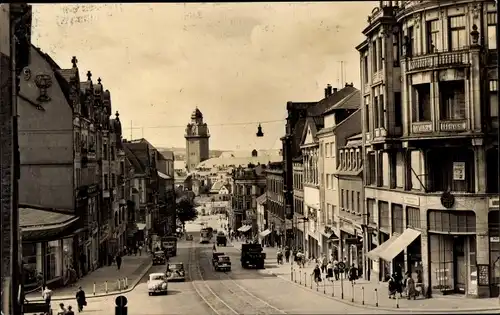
x: 237, y: 62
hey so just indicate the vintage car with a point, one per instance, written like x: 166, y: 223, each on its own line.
x: 189, y: 237
x: 223, y: 263
x: 157, y: 283
x: 159, y: 258
x: 215, y: 257
x: 176, y: 272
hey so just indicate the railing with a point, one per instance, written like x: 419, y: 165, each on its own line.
x: 436, y: 60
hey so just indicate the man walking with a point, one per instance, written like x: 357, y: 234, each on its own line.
x: 118, y: 261
x: 47, y: 295
x: 81, y: 300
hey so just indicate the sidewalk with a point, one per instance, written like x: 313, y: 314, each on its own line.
x: 369, y: 293
x: 133, y: 268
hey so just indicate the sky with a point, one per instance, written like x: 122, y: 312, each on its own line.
x: 239, y: 63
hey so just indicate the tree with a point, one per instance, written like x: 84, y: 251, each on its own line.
x: 185, y: 211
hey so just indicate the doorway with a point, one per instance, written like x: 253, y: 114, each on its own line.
x: 460, y: 264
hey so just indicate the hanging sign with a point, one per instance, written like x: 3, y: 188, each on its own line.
x: 458, y: 170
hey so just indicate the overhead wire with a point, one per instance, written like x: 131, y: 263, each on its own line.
x: 210, y: 125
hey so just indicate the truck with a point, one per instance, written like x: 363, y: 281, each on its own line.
x: 252, y: 255
x: 169, y: 245
x: 221, y: 239
x: 205, y: 236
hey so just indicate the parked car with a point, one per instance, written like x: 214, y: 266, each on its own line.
x: 223, y: 263
x: 157, y: 283
x: 159, y: 258
x: 176, y: 272
x: 215, y: 257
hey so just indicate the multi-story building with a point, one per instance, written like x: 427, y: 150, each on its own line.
x: 247, y: 184
x: 263, y: 219
x: 428, y: 84
x: 340, y: 121
x: 167, y: 190
x: 275, y: 204
x: 298, y: 203
x: 197, y: 141
x: 350, y: 187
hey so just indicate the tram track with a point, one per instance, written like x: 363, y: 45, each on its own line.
x: 221, y: 293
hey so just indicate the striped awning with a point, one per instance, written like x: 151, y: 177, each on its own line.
x: 245, y: 228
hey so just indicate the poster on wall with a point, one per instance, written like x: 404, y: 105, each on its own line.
x: 483, y: 272
x: 458, y: 170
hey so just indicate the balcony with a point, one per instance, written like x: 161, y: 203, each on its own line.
x: 438, y: 60
x: 421, y: 127
x: 453, y: 125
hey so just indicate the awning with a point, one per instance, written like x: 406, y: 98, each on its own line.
x: 245, y: 228
x: 399, y: 244
x: 375, y: 253
x: 141, y: 226
x: 265, y: 233
x: 45, y: 225
x: 163, y: 176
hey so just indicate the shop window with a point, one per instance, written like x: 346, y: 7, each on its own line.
x: 452, y: 221
x: 442, y: 266
x: 413, y: 217
x: 30, y: 263
x: 383, y: 207
x: 494, y: 234
x: 53, y: 260
x: 452, y: 100
x: 397, y: 218
x: 452, y: 169
x: 421, y: 102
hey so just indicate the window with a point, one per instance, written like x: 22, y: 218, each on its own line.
x: 380, y: 58
x: 353, y: 205
x: 383, y: 208
x: 443, y: 172
x: 358, y: 202
x: 452, y: 221
x: 457, y: 38
x: 367, y: 113
x: 105, y: 152
x: 398, y: 111
x: 381, y: 115
x: 411, y: 41
x: 376, y: 111
x: 493, y: 86
x: 374, y: 56
x: 327, y: 181
x: 421, y: 102
x: 327, y: 150
x: 366, y: 74
x: 342, y: 199
x: 397, y: 218
x: 348, y: 205
x: 452, y: 100
x: 370, y: 207
x: 492, y: 30
x: 371, y: 178
x: 395, y: 49
x: 413, y: 217
x: 433, y: 39
x: 106, y: 182
x: 332, y: 154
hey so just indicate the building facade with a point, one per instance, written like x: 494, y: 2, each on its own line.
x: 428, y: 80
x: 247, y: 184
x: 197, y: 141
x: 275, y: 204
x: 298, y: 204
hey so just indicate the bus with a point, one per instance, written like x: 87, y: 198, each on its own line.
x: 205, y: 235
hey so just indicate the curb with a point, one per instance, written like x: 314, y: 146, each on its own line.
x: 411, y: 310
x: 130, y: 288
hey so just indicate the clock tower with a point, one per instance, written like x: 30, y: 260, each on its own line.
x: 197, y: 141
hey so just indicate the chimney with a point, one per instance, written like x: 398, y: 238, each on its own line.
x: 334, y: 90
x: 328, y: 90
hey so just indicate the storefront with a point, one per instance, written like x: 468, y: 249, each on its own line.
x: 494, y: 242
x: 48, y: 246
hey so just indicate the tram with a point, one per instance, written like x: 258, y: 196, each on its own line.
x: 205, y: 235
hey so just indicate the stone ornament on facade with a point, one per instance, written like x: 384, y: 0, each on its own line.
x: 474, y: 35
x: 43, y: 82
x: 27, y: 74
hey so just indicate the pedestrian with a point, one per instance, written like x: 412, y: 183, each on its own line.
x: 353, y: 274
x: 62, y: 310
x: 70, y: 311
x: 392, y: 287
x: 324, y: 263
x: 317, y: 274
x: 47, y: 295
x: 287, y: 254
x: 411, y: 291
x: 81, y: 300
x: 336, y: 269
x: 140, y: 250
x: 329, y: 271
x: 118, y: 261
x: 345, y: 269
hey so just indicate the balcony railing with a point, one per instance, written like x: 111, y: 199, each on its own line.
x: 438, y: 60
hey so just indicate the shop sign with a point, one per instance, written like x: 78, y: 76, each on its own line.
x: 494, y: 202
x: 412, y: 200
x: 494, y: 239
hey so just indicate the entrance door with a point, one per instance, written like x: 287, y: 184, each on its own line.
x: 460, y: 264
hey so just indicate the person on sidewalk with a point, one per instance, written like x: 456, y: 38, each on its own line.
x: 279, y: 257
x: 329, y: 271
x: 317, y: 274
x: 324, y: 263
x: 47, y: 295
x: 140, y: 250
x: 62, y: 310
x: 81, y: 300
x: 70, y: 311
x: 118, y: 261
x: 287, y: 254
x: 336, y: 270
x: 353, y: 274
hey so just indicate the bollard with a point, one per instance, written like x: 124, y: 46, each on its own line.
x: 305, y: 279
x: 311, y: 282
x: 106, y: 286
x: 376, y: 297
x: 324, y: 286
x: 126, y: 282
x: 123, y: 284
x: 291, y: 272
x: 295, y: 276
x: 341, y: 286
x: 300, y: 276
x: 333, y: 289
x: 397, y: 301
x: 119, y: 288
x: 94, y: 288
x: 352, y: 291
x: 317, y: 286
x: 363, y: 295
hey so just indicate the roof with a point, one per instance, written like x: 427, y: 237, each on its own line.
x: 329, y: 103
x: 239, y: 161
x: 309, y: 123
x: 38, y: 224
x: 262, y: 199
x: 139, y: 152
x: 218, y: 185
x: 139, y: 168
